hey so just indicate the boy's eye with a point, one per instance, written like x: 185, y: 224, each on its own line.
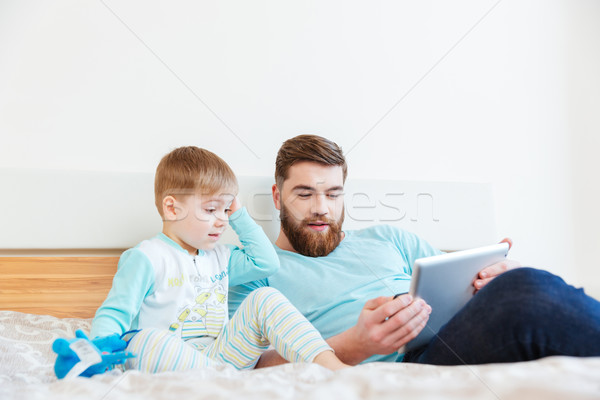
x: 210, y: 210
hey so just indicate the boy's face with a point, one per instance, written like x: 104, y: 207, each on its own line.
x: 200, y: 221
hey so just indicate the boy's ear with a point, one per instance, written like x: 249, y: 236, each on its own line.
x: 170, y: 210
x: 276, y: 196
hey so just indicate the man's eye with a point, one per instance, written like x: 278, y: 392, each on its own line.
x: 333, y: 195
x: 304, y: 195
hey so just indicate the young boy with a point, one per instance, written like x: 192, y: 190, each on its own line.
x: 171, y: 291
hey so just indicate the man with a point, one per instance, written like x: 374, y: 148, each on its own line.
x: 344, y: 282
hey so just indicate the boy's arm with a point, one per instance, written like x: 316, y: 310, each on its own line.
x: 133, y: 281
x: 257, y: 259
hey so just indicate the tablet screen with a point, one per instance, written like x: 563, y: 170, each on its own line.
x: 445, y: 282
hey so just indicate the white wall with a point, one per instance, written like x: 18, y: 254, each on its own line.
x: 584, y: 130
x: 510, y: 99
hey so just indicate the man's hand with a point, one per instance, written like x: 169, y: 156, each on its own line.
x: 386, y: 324
x: 487, y: 274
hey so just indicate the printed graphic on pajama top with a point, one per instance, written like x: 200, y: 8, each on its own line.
x: 206, y: 315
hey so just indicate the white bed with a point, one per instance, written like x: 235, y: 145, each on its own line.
x: 42, y: 280
x: 26, y: 373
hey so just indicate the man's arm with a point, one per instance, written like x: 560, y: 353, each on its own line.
x: 384, y: 325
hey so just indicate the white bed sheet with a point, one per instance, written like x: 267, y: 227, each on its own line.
x: 26, y: 372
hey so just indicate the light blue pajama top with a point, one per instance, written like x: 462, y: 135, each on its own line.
x: 158, y: 284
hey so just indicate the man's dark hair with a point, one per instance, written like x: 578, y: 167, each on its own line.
x: 307, y: 148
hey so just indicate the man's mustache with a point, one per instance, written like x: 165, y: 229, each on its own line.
x: 313, y: 220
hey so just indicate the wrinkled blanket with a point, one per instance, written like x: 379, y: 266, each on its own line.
x: 26, y: 361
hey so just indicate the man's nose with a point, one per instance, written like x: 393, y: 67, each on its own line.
x: 319, y: 205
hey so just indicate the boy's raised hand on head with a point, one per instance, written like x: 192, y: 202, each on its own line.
x: 235, y: 205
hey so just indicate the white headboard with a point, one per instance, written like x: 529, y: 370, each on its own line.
x: 43, y: 209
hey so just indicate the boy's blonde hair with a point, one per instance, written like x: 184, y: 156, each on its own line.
x: 190, y: 170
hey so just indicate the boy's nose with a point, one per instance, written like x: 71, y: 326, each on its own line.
x: 222, y: 219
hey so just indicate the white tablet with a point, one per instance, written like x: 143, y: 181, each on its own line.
x: 445, y: 282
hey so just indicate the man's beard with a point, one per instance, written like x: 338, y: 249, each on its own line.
x: 308, y: 242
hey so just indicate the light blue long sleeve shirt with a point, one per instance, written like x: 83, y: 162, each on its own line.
x: 332, y: 290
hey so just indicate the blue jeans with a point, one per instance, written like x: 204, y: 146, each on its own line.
x: 524, y: 314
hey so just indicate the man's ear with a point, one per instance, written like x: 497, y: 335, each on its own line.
x: 170, y: 210
x: 276, y: 197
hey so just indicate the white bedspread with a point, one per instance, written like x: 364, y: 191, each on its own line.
x: 26, y: 362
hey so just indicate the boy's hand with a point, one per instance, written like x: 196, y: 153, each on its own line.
x: 235, y: 205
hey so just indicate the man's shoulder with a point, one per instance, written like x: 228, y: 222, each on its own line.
x: 389, y: 234
x: 376, y: 231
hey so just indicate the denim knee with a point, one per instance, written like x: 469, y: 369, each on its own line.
x: 520, y: 296
x: 529, y: 296
x: 526, y: 281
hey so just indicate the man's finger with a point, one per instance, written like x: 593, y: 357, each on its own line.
x: 411, y: 328
x: 412, y: 334
x: 479, y: 283
x: 389, y: 308
x: 377, y: 302
x: 507, y: 240
x: 498, y: 268
x: 397, y: 320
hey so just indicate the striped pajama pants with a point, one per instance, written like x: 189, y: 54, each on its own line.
x: 264, y: 318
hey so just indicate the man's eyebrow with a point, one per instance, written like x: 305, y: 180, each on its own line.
x: 303, y: 187
x: 307, y: 187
